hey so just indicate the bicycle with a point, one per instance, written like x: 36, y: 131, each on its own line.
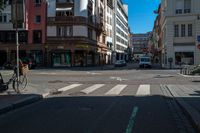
x: 17, y: 86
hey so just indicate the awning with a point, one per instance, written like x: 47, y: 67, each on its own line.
x: 64, y: 9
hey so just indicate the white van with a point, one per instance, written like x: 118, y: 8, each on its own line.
x: 145, y: 62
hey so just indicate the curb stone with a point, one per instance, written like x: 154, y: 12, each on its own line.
x: 193, y: 114
x: 20, y: 103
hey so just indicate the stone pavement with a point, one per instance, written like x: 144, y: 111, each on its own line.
x: 188, y: 98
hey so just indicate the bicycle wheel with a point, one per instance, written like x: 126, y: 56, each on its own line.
x: 18, y: 87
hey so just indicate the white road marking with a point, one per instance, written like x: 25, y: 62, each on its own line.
x: 69, y: 87
x: 118, y: 78
x: 143, y: 90
x: 92, y: 88
x: 116, y: 90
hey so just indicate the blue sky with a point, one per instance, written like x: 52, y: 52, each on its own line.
x: 141, y: 16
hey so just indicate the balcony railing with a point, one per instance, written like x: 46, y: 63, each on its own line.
x: 64, y: 3
x: 80, y: 39
x: 73, y: 21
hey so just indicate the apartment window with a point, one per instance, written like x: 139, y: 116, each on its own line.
x: 64, y: 31
x: 9, y: 2
x: 182, y: 30
x: 89, y: 33
x: 187, y: 6
x: 37, y: 2
x: 37, y: 19
x: 4, y: 18
x: 37, y: 36
x: 179, y: 6
x: 176, y: 31
x: 189, y: 30
x: 1, y: 20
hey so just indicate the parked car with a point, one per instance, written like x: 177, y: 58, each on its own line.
x: 120, y: 63
x: 145, y: 62
x: 31, y: 63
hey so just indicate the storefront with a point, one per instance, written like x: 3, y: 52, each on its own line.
x: 3, y: 56
x: 61, y: 58
x: 80, y: 58
x: 37, y: 56
x: 184, y: 54
x: 184, y: 58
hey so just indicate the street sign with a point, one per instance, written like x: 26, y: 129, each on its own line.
x: 198, y: 38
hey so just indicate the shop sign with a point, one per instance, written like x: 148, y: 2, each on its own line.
x: 198, y: 39
x: 60, y: 47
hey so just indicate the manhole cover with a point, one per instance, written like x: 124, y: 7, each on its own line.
x: 85, y: 108
x: 164, y: 76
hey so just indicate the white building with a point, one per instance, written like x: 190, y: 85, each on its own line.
x: 75, y: 32
x: 121, y: 33
x: 109, y: 30
x: 180, y: 20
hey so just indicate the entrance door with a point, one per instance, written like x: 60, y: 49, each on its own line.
x: 3, y: 56
x: 62, y: 59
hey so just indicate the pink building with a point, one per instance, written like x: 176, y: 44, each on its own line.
x: 32, y: 32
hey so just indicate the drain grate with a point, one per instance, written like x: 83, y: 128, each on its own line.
x: 164, y: 76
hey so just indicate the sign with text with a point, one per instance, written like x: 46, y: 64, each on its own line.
x: 198, y: 38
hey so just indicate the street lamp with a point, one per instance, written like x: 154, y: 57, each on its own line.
x: 17, y: 41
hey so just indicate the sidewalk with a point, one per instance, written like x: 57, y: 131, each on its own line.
x: 11, y: 102
x: 188, y: 98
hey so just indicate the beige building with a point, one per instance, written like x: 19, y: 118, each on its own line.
x: 180, y: 26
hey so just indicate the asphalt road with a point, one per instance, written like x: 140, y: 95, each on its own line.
x: 112, y: 101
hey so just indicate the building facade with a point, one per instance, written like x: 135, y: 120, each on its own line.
x: 76, y: 33
x: 31, y: 27
x: 109, y: 30
x: 180, y: 26
x: 121, y: 31
x: 139, y: 43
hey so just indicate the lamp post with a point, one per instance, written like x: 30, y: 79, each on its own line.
x: 17, y: 43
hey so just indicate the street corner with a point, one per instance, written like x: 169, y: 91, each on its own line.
x: 9, y: 102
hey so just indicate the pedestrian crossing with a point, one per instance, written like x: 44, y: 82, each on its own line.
x: 108, y: 89
x: 116, y: 90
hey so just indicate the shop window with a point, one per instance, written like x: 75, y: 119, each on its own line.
x: 184, y: 58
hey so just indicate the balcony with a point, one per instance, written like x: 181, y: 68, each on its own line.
x: 84, y: 40
x: 73, y: 21
x: 64, y: 3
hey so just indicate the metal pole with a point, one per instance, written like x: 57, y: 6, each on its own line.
x: 17, y: 44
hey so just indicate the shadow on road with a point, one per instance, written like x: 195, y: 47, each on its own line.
x: 95, y: 114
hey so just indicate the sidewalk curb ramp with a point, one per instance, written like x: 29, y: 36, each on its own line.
x: 20, y: 103
x: 191, y: 113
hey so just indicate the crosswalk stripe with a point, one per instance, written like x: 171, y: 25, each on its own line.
x: 69, y: 87
x: 143, y: 90
x: 116, y: 90
x: 92, y: 88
